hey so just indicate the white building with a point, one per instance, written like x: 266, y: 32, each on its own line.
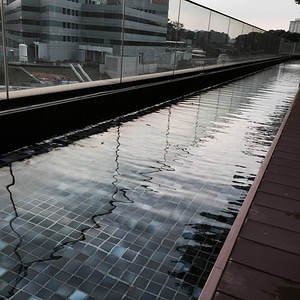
x: 295, y: 26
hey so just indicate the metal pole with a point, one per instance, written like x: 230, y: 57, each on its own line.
x: 122, y: 40
x: 177, y: 36
x: 4, y: 50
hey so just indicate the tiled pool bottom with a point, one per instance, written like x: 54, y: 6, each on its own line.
x: 137, y: 208
x: 64, y: 241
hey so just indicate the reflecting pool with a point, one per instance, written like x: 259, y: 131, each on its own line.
x: 137, y: 207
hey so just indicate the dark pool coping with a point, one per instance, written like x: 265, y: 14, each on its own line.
x: 265, y: 261
x: 34, y: 115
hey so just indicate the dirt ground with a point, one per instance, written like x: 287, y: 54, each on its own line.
x: 53, y: 74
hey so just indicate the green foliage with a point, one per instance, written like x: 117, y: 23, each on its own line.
x: 175, y: 30
x: 287, y: 35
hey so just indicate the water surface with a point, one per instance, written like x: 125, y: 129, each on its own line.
x: 138, y: 207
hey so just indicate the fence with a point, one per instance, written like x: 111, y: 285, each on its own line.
x: 116, y: 39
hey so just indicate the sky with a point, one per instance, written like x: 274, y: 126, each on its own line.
x: 265, y: 14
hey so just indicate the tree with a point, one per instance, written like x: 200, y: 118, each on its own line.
x: 291, y: 36
x: 297, y: 1
x: 175, y: 30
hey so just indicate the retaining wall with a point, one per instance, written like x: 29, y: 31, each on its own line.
x: 31, y: 116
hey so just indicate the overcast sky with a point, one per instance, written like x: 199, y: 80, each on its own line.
x: 265, y: 14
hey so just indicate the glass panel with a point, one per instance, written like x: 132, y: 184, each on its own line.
x: 268, y: 44
x: 218, y: 39
x: 247, y: 28
x: 63, y: 42
x: 144, y: 39
x: 193, y: 17
x: 3, y: 58
x: 166, y: 58
x: 244, y: 41
x: 174, y: 8
x: 219, y: 23
x: 288, y: 48
x: 256, y: 43
x: 296, y: 49
x: 100, y: 40
x: 235, y: 30
x: 194, y: 36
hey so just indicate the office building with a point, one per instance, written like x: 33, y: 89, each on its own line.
x: 295, y: 26
x: 84, y: 30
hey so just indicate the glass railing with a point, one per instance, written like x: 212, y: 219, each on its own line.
x: 59, y: 42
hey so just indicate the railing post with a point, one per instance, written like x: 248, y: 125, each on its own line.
x: 4, y: 51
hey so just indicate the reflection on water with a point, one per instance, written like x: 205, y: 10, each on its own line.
x: 138, y: 207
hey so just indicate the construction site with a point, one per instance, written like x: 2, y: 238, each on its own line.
x: 26, y: 75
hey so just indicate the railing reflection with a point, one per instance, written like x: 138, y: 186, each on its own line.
x: 116, y: 39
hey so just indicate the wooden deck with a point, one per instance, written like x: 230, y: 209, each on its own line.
x: 261, y: 256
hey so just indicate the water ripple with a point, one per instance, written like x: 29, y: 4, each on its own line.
x: 155, y: 192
